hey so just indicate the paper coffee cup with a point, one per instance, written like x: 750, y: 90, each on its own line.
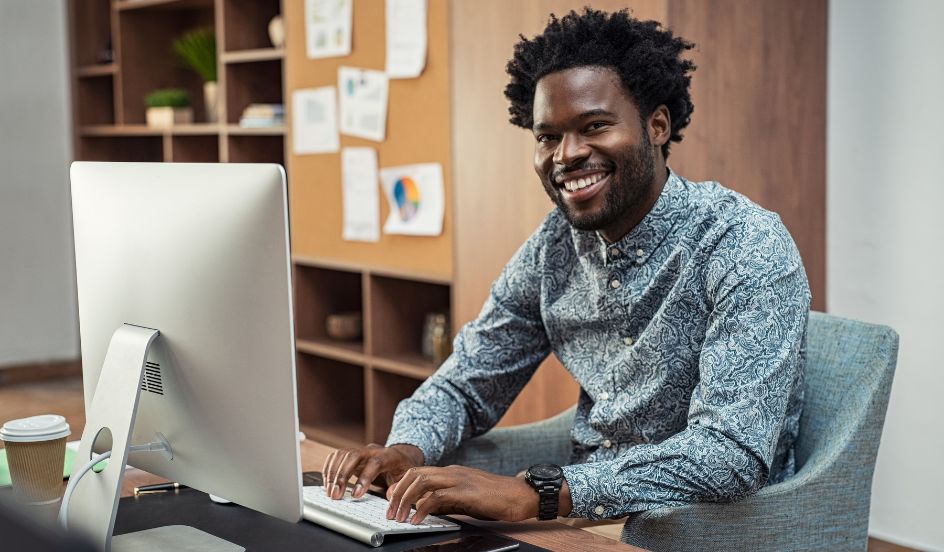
x: 35, y: 454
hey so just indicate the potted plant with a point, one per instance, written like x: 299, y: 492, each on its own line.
x: 196, y: 49
x: 168, y: 107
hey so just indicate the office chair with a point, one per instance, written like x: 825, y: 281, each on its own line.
x: 824, y: 506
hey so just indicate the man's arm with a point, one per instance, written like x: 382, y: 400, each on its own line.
x: 494, y: 357
x: 750, y: 364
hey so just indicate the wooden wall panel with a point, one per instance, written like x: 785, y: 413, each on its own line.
x: 418, y: 131
x: 759, y: 125
x: 499, y: 199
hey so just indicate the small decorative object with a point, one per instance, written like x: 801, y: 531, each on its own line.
x: 277, y: 31
x: 105, y: 54
x: 196, y: 49
x: 437, y: 338
x: 345, y: 326
x: 168, y: 107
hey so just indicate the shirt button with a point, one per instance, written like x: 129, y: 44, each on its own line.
x: 614, y: 252
x: 598, y: 510
x: 640, y: 252
x: 614, y: 284
x: 607, y: 443
x: 604, y: 396
x: 628, y: 340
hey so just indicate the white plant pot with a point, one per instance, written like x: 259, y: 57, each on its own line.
x: 162, y: 117
x: 211, y: 100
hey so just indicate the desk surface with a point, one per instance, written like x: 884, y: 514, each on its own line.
x: 547, y: 534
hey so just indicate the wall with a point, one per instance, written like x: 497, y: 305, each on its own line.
x: 885, y: 232
x: 37, y: 282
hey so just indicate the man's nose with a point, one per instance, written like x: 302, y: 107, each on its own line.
x: 571, y: 149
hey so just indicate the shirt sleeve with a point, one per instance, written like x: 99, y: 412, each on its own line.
x: 749, y: 366
x: 493, y: 357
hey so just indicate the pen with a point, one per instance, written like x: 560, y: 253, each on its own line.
x: 158, y: 488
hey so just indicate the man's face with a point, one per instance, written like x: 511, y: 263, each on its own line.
x: 591, y: 151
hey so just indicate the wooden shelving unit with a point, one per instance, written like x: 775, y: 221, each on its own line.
x: 108, y: 98
x: 385, y: 365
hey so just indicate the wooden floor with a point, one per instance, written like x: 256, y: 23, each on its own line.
x: 64, y: 397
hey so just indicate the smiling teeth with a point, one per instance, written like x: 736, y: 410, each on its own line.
x: 579, y: 183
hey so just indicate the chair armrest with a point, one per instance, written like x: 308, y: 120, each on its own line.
x: 508, y: 450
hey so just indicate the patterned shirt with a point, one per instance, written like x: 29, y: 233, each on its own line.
x: 686, y: 336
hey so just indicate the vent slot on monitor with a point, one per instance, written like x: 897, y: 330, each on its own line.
x: 152, y: 381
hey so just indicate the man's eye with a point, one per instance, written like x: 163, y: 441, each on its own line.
x: 544, y: 138
x: 596, y: 125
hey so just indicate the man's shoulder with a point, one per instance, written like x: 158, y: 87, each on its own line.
x: 729, y: 212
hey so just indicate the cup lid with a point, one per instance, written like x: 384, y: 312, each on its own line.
x: 45, y: 427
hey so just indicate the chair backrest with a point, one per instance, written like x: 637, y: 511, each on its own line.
x: 849, y: 369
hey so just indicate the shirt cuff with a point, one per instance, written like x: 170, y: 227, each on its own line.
x: 418, y: 440
x: 587, y: 483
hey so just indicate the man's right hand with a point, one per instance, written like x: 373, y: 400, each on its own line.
x: 367, y: 463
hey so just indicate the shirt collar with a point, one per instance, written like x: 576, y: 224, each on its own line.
x: 641, y: 241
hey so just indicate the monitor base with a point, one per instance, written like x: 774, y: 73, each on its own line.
x: 177, y: 538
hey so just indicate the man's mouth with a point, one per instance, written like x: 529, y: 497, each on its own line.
x: 582, y: 185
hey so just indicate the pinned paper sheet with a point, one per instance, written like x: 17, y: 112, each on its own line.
x: 315, y: 121
x: 406, y: 38
x: 363, y: 102
x: 328, y: 26
x: 360, y: 196
x: 415, y: 196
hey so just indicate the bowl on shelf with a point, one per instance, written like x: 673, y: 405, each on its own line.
x: 344, y: 326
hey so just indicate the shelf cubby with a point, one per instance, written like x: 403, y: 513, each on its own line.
x: 127, y: 148
x: 331, y: 400
x: 147, y: 60
x: 97, y: 100
x: 247, y: 23
x: 195, y: 148
x: 256, y: 149
x: 91, y: 30
x: 384, y: 393
x: 248, y: 83
x: 398, y: 312
x: 318, y: 293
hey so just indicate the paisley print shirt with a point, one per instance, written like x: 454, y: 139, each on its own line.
x: 687, y: 339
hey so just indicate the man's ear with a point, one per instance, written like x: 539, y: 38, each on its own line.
x: 659, y: 126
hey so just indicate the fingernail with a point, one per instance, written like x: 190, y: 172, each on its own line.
x: 338, y: 492
x: 357, y: 490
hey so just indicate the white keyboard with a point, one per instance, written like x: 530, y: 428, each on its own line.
x: 363, y: 519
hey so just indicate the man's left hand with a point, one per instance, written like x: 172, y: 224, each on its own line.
x: 461, y: 490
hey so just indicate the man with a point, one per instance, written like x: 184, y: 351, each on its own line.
x: 679, y: 308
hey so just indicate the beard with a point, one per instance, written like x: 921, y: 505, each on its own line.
x: 630, y: 182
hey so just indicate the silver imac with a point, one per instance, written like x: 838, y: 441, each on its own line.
x: 185, y: 315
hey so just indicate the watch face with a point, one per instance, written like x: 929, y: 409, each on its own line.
x: 545, y: 472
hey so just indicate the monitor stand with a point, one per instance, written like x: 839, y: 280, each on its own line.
x: 94, y: 502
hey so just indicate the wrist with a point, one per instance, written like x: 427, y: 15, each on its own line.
x: 530, y: 501
x: 412, y: 453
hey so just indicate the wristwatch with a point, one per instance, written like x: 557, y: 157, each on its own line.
x: 546, y: 480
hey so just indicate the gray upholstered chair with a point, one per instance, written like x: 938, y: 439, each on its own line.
x: 825, y: 506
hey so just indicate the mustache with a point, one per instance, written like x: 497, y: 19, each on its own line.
x: 558, y: 174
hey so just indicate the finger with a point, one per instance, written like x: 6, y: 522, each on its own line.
x: 325, y: 473
x: 395, y: 492
x: 433, y: 502
x: 351, y: 466
x: 337, y: 488
x: 371, y: 467
x: 421, y: 484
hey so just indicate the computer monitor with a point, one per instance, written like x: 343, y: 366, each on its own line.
x: 200, y: 253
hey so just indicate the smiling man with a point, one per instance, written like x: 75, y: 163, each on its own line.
x: 679, y: 308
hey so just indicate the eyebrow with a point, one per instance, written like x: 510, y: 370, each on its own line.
x: 585, y: 115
